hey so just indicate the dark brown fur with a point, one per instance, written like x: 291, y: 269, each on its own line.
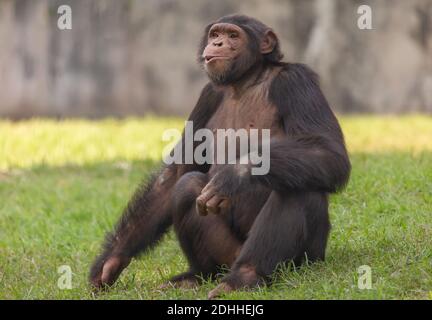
x: 281, y: 216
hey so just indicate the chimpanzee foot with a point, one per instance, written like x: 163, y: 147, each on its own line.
x: 219, y: 290
x: 243, y: 277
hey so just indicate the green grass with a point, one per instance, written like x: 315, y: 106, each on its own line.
x: 63, y: 185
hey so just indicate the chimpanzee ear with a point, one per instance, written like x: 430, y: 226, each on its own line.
x: 268, y: 41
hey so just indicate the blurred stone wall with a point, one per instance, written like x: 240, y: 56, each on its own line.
x: 135, y: 57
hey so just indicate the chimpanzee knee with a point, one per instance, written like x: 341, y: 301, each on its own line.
x: 186, y: 190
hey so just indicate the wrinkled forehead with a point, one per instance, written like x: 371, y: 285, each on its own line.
x: 225, y: 27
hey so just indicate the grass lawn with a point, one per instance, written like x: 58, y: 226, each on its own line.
x: 63, y: 185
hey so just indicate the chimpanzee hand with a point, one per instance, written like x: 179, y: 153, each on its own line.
x: 216, y: 196
x: 105, y: 271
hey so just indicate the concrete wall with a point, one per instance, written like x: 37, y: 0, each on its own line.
x: 134, y: 57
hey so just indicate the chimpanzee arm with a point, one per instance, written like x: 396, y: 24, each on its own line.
x: 148, y: 214
x: 313, y: 155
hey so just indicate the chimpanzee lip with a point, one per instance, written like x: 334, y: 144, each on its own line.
x: 210, y: 58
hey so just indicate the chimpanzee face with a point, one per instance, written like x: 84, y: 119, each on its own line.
x: 228, y: 51
x: 226, y: 55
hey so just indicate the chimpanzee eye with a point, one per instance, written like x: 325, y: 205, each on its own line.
x: 213, y: 35
x: 233, y: 35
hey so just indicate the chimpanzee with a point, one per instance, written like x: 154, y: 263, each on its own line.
x: 222, y: 214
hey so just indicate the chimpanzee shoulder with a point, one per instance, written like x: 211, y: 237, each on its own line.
x: 295, y: 84
x: 296, y: 93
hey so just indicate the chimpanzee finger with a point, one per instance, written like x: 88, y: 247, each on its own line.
x: 206, y: 195
x: 202, y: 200
x: 224, y: 205
x: 206, y: 188
x: 213, y: 204
x: 201, y: 207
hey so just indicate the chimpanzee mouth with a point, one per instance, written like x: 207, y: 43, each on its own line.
x: 211, y: 58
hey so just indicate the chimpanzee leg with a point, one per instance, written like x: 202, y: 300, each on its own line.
x: 279, y: 234
x: 207, y: 241
x: 318, y: 226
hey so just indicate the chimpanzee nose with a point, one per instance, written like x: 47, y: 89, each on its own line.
x: 218, y: 43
